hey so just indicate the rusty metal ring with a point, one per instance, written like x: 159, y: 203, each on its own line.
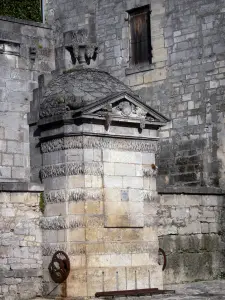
x: 164, y: 258
x: 59, y: 267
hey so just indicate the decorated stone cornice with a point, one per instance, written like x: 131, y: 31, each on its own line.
x: 50, y: 249
x: 73, y: 195
x: 72, y: 169
x: 75, y: 142
x: 55, y: 197
x: 110, y: 248
x: 53, y: 223
x: 79, y: 195
x: 80, y: 142
x: 122, y: 106
x: 59, y: 222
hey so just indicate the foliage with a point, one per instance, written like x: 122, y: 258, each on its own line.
x: 21, y: 9
x: 42, y: 203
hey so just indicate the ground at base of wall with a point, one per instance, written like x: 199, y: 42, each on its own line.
x: 204, y: 290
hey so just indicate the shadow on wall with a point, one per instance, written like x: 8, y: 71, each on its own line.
x: 187, y: 163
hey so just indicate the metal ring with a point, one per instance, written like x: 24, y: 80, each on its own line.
x: 59, y: 267
x: 164, y: 258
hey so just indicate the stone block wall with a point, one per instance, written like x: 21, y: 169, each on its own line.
x: 26, y: 51
x: 185, y: 81
x: 192, y: 155
x: 191, y: 231
x: 20, y: 246
x: 101, y: 205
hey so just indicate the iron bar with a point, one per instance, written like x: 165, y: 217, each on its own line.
x: 137, y: 292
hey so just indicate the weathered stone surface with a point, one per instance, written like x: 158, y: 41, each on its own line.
x: 20, y: 240
x: 93, y: 84
x: 194, y: 252
x: 90, y: 203
x: 190, y: 157
x: 19, y: 75
x: 77, y: 142
x: 187, y: 91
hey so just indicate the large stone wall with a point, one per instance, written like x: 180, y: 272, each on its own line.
x: 185, y: 81
x: 193, y: 152
x: 26, y: 50
x: 192, y: 235
x: 20, y: 246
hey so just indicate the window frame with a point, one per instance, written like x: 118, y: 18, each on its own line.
x: 145, y: 9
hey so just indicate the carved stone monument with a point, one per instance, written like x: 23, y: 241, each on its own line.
x: 97, y: 143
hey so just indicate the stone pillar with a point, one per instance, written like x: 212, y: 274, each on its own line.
x: 98, y: 144
x: 101, y: 207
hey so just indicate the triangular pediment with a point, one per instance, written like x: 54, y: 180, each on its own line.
x: 123, y: 107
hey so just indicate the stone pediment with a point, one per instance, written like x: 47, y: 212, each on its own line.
x: 123, y: 107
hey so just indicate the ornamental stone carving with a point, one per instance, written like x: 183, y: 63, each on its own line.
x: 55, y: 197
x: 79, y: 142
x: 82, y: 194
x: 125, y: 107
x: 53, y: 171
x: 73, y: 195
x: 58, y: 223
x: 82, y: 51
x: 49, y: 249
x: 57, y: 104
x: 71, y: 169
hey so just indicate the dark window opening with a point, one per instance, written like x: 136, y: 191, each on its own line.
x: 140, y: 44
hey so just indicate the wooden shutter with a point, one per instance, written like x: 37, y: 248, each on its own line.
x: 140, y: 36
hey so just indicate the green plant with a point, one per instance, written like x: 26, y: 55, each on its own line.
x: 25, y: 9
x: 42, y: 202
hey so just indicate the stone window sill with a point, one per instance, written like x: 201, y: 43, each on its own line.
x: 190, y: 190
x: 21, y: 187
x: 139, y: 68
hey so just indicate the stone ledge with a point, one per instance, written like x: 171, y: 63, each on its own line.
x: 21, y: 273
x: 24, y: 22
x: 191, y: 190
x: 21, y: 187
x: 97, y: 134
x: 139, y: 69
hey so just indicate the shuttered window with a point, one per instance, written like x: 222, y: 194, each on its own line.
x: 141, y: 49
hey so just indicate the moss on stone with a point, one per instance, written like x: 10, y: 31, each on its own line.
x: 42, y: 203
